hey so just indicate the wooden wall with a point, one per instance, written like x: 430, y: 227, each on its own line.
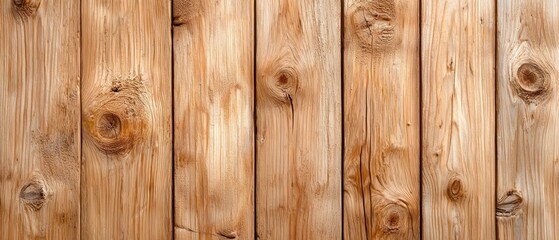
x: 281, y: 119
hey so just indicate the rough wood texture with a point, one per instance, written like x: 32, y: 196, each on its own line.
x: 381, y: 119
x: 298, y: 119
x: 528, y: 120
x: 214, y: 122
x: 126, y: 117
x: 458, y: 39
x: 40, y: 119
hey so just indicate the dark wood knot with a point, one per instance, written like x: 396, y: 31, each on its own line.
x: 26, y: 8
x: 113, y: 132
x: 394, y: 218
x: 509, y: 204
x: 455, y: 189
x: 108, y: 125
x: 283, y: 85
x: 117, y: 119
x: 532, y: 83
x: 33, y: 195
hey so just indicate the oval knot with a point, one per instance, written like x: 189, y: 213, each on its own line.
x: 34, y: 195
x: 532, y: 83
x: 509, y: 204
x: 394, y: 218
x: 455, y: 189
x: 283, y: 85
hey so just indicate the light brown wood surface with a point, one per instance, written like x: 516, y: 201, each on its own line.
x: 280, y: 119
x: 381, y: 119
x: 127, y: 121
x: 298, y: 118
x: 40, y: 119
x: 214, y: 123
x: 528, y: 120
x: 458, y: 137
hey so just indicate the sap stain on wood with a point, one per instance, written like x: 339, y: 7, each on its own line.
x: 117, y: 120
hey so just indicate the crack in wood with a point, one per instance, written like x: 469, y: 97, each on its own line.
x: 231, y: 235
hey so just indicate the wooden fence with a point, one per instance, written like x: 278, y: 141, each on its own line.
x: 279, y: 119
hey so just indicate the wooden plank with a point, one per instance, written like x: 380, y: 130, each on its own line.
x: 127, y: 120
x: 458, y: 82
x: 40, y: 121
x: 298, y: 108
x: 214, y: 122
x: 381, y: 119
x: 528, y: 121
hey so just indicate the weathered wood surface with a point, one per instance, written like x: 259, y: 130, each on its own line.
x: 127, y: 120
x: 298, y: 119
x: 381, y: 119
x: 214, y: 122
x: 528, y: 120
x: 435, y: 131
x: 458, y: 80
x: 40, y: 119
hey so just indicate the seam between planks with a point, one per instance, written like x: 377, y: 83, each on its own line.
x: 420, y: 84
x: 495, y: 109
x: 172, y: 120
x: 254, y: 121
x: 80, y: 124
x: 342, y: 87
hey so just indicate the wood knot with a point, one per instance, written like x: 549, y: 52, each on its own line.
x: 116, y: 122
x: 532, y: 83
x: 108, y: 125
x: 283, y: 85
x: 114, y: 133
x: 509, y: 204
x: 228, y: 234
x: 455, y: 189
x: 394, y: 218
x: 33, y: 195
x: 373, y: 23
x: 26, y: 8
x: 186, y: 11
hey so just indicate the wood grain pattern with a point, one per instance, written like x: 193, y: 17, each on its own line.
x: 40, y: 119
x: 528, y: 120
x: 127, y: 121
x: 381, y: 119
x: 298, y: 107
x: 214, y: 122
x: 458, y: 81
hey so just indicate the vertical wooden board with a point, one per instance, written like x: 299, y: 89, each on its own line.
x: 528, y: 120
x: 298, y: 111
x: 214, y: 123
x: 458, y: 82
x: 40, y: 121
x: 381, y: 119
x: 127, y: 120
